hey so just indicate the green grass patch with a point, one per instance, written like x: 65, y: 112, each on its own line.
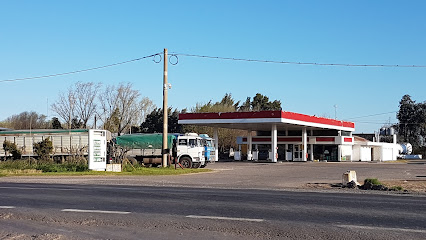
x: 373, y: 181
x: 396, y: 188
x: 31, y: 168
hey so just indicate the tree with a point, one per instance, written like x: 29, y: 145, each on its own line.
x: 154, y: 122
x: 79, y: 102
x: 85, y: 105
x: 121, y: 108
x: 10, y: 147
x: 412, y: 122
x: 43, y: 148
x: 262, y: 103
x: 56, y: 124
x: 77, y: 124
x: 26, y: 120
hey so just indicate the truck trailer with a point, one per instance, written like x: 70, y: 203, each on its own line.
x: 89, y: 143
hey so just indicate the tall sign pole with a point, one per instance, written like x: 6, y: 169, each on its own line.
x: 165, y: 115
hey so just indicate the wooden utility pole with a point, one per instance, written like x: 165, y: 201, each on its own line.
x: 165, y: 114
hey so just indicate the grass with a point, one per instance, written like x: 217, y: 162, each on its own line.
x: 31, y: 168
x: 373, y: 181
x: 396, y: 188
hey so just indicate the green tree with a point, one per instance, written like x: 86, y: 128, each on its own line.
x: 154, y: 122
x: 262, y: 103
x: 412, y: 122
x: 56, y: 124
x: 11, y: 148
x: 77, y: 123
x: 44, y: 148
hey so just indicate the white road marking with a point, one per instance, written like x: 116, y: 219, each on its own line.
x: 7, y: 207
x: 226, y: 218
x: 39, y: 188
x: 382, y: 228
x: 93, y: 211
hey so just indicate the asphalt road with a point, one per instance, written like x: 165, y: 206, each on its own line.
x: 251, y: 175
x: 78, y: 211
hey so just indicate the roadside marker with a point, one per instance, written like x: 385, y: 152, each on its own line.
x: 226, y: 218
x: 93, y: 211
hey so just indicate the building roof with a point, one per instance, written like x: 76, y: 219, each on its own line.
x: 263, y: 121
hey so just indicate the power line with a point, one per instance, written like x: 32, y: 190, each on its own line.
x: 300, y: 63
x: 372, y: 115
x: 78, y: 71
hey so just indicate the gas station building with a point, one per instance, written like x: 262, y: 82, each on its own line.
x: 281, y: 135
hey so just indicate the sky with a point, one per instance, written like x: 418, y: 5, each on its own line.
x: 46, y: 37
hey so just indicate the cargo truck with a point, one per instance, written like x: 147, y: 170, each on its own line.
x: 186, y: 149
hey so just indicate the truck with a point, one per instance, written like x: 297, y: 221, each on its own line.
x: 186, y: 149
x: 209, y: 148
x: 89, y: 143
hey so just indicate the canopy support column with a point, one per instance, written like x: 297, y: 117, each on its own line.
x: 216, y: 144
x: 249, y: 146
x: 274, y: 143
x: 304, y: 144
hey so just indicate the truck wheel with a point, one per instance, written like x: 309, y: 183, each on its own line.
x: 204, y: 165
x: 196, y: 165
x: 186, y: 162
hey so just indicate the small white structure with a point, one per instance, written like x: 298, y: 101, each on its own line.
x: 364, y: 150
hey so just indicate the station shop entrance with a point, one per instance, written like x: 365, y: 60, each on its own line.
x: 293, y: 152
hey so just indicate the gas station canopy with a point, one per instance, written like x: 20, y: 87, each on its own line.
x: 264, y: 120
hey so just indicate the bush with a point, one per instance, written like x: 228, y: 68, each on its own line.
x: 66, y: 167
x: 44, y: 148
x: 10, y: 147
x: 372, y: 181
x: 17, y: 164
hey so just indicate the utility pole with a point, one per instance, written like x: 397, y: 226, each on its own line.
x: 165, y: 115
x: 335, y: 111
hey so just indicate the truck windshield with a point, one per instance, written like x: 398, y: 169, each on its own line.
x: 209, y: 143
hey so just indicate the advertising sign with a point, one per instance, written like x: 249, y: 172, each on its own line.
x: 97, y: 150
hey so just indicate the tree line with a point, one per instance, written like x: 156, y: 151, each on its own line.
x: 121, y: 109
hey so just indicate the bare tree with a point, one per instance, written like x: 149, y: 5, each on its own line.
x: 64, y: 106
x: 85, y: 105
x: 26, y: 120
x: 121, y: 108
x: 79, y: 103
x: 145, y: 106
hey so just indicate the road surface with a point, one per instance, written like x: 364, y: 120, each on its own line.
x: 78, y: 211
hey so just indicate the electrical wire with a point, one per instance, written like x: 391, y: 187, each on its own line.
x: 372, y: 115
x: 79, y: 71
x: 301, y: 63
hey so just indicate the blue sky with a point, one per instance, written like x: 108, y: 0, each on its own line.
x: 48, y: 37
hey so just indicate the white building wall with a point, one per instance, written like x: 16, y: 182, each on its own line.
x: 356, y: 151
x: 346, y: 152
x: 365, y: 153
